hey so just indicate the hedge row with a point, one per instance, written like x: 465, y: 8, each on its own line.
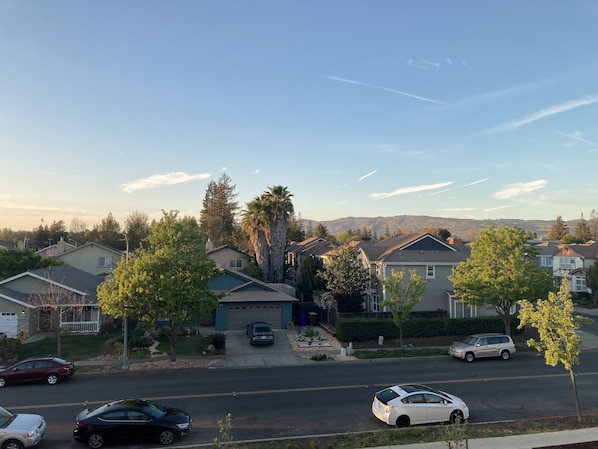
x: 364, y: 329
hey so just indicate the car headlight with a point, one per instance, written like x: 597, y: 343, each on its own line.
x: 183, y: 426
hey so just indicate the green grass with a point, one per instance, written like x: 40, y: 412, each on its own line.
x: 72, y: 347
x: 364, y: 354
x: 92, y: 346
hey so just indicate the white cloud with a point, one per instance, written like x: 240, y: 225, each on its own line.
x: 398, y: 92
x: 168, y: 179
x: 543, y: 113
x: 461, y: 187
x: 413, y: 189
x: 367, y: 175
x: 520, y: 188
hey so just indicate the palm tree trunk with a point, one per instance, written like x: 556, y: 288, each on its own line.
x: 278, y: 233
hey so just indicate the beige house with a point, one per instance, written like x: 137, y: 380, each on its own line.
x: 227, y: 257
x: 92, y: 258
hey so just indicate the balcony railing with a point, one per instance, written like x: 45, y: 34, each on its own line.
x: 81, y: 327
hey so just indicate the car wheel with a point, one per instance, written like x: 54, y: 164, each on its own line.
x: 95, y: 441
x: 2, y: 382
x: 13, y: 444
x: 52, y: 379
x: 505, y: 355
x: 402, y: 421
x: 456, y: 417
x: 469, y: 357
x: 167, y: 437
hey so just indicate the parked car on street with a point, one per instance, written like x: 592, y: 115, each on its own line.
x: 260, y: 333
x: 46, y: 369
x: 130, y: 421
x: 483, y: 345
x: 406, y: 405
x: 20, y: 430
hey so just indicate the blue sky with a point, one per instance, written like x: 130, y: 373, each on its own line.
x: 462, y: 109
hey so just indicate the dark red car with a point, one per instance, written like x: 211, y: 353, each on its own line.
x: 47, y: 369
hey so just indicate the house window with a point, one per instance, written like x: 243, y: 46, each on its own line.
x: 375, y: 303
x: 236, y: 263
x: 430, y: 271
x: 567, y: 264
x: 580, y: 284
x: 105, y: 262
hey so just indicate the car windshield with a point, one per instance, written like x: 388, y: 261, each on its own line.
x: 5, y: 417
x: 470, y: 341
x: 154, y: 409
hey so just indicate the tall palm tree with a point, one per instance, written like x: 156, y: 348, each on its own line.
x: 255, y: 223
x: 278, y: 207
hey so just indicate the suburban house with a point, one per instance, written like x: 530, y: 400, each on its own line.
x: 572, y: 262
x: 247, y: 299
x: 227, y: 257
x: 57, y: 249
x: 92, y: 258
x: 27, y: 301
x: 298, y: 251
x: 429, y: 257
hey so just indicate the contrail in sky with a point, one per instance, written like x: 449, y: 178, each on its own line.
x: 398, y: 92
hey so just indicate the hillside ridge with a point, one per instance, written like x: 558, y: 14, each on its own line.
x: 464, y: 228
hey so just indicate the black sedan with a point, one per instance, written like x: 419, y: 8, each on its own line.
x: 45, y: 369
x: 131, y: 420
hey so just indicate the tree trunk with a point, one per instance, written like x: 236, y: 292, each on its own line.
x: 262, y: 254
x: 574, y: 383
x: 401, y: 336
x: 278, y: 232
x: 173, y: 336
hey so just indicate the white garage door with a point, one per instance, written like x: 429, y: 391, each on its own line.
x: 9, y: 324
x: 239, y: 316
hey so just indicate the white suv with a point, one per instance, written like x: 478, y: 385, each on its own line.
x: 483, y: 345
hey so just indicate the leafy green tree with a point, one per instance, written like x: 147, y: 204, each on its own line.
x: 592, y: 280
x: 295, y: 232
x: 17, y: 261
x: 346, y: 277
x: 501, y: 270
x: 308, y: 280
x: 440, y: 233
x: 402, y: 295
x: 559, y: 230
x: 593, y: 224
x: 582, y: 231
x: 217, y: 218
x: 167, y: 283
x: 109, y: 233
x: 556, y: 324
x: 137, y: 228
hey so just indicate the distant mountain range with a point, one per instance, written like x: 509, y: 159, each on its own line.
x: 463, y: 228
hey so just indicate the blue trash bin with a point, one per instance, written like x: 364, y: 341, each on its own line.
x: 303, y: 319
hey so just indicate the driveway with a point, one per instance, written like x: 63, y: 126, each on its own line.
x: 240, y: 354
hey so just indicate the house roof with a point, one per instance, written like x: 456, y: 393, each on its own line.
x: 64, y: 276
x: 414, y: 248
x: 315, y: 246
x: 239, y: 287
x: 586, y: 251
x: 223, y: 247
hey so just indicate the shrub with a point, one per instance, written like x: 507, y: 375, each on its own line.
x: 218, y: 340
x: 364, y: 329
x: 9, y: 348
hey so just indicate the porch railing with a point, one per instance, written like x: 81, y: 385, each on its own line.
x: 81, y: 327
